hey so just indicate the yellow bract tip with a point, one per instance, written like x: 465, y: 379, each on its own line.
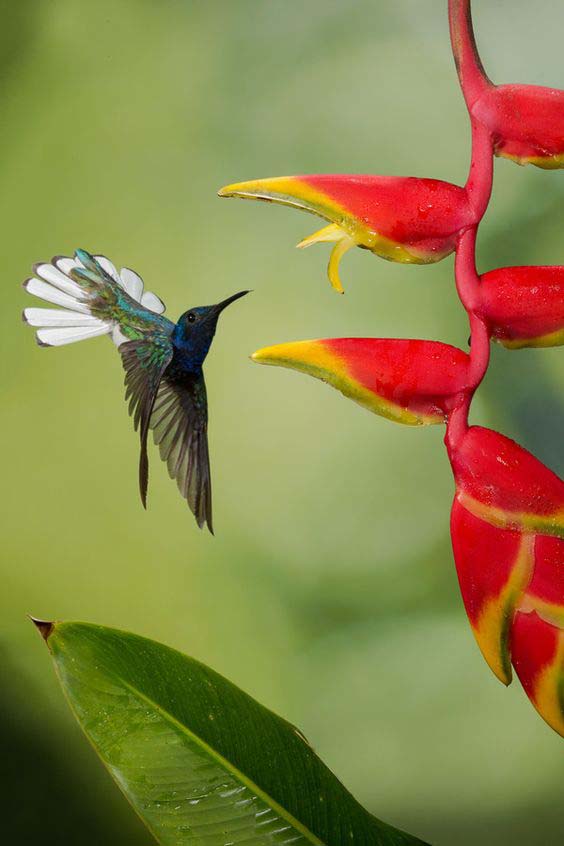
x: 268, y: 355
x: 286, y: 190
x: 294, y: 354
x: 228, y: 190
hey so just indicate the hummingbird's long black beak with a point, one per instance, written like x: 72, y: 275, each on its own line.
x: 224, y: 303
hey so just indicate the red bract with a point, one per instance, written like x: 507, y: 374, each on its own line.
x: 526, y: 122
x: 507, y: 528
x: 411, y: 382
x: 512, y: 585
x: 493, y: 567
x: 502, y: 483
x: 537, y: 646
x: 404, y: 219
x: 523, y: 306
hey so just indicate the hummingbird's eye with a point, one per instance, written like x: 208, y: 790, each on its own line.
x: 191, y: 317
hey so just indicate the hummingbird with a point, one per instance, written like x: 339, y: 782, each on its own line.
x: 163, y: 361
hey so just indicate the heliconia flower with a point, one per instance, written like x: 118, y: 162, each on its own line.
x: 526, y: 122
x: 523, y: 306
x: 411, y: 382
x: 507, y: 535
x: 404, y: 219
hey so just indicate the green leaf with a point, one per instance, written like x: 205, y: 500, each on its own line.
x: 201, y: 762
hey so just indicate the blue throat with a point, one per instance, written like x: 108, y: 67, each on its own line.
x: 192, y: 346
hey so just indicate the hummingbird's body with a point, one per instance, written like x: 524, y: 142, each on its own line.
x: 162, y: 360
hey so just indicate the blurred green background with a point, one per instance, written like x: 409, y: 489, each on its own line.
x: 329, y: 591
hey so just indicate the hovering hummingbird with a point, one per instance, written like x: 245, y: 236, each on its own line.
x: 162, y: 360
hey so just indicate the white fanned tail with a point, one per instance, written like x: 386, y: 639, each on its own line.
x: 72, y: 321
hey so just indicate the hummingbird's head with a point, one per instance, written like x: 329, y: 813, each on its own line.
x: 196, y: 327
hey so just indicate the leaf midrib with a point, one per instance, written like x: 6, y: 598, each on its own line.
x: 220, y: 759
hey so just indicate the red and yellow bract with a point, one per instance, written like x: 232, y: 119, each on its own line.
x: 507, y: 528
x: 512, y: 585
x: 537, y: 647
x: 404, y: 219
x: 502, y: 483
x: 411, y: 382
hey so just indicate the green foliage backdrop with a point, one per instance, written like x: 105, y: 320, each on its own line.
x: 329, y: 592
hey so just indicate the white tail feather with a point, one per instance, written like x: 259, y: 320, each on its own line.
x: 109, y: 267
x: 65, y: 265
x: 152, y: 302
x: 132, y: 283
x: 71, y: 334
x: 55, y: 277
x: 45, y: 317
x: 47, y: 292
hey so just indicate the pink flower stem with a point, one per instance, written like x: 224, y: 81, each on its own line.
x: 457, y: 423
x: 468, y: 287
x: 471, y: 73
x: 480, y: 176
x: 478, y: 188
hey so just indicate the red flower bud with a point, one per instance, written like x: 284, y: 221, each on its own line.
x: 404, y: 219
x: 507, y: 526
x: 411, y: 382
x: 524, y: 306
x: 525, y: 122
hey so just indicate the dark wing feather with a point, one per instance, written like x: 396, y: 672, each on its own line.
x: 144, y: 362
x: 180, y: 429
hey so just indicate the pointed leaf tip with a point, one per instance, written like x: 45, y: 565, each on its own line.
x: 44, y: 627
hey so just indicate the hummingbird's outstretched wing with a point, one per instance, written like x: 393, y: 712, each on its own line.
x: 144, y: 362
x: 179, y: 421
